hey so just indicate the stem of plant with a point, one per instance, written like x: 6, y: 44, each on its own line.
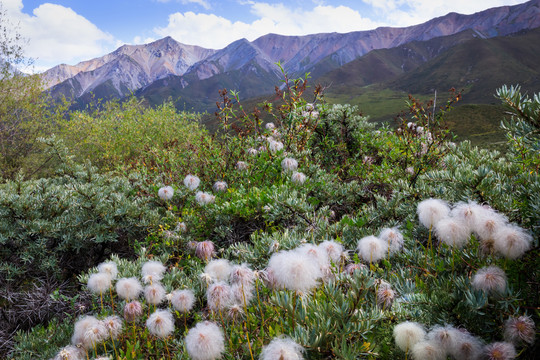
x: 248, y: 342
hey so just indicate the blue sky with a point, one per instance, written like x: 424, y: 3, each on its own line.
x: 70, y: 31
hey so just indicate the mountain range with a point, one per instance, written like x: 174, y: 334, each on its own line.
x: 414, y: 59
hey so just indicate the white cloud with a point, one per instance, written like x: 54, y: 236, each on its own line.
x: 58, y: 34
x: 203, y: 3
x: 213, y: 31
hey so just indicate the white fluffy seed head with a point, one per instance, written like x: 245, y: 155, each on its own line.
x: 205, y: 341
x: 220, y: 186
x: 408, y: 333
x: 79, y: 331
x: 430, y: 211
x: 70, y: 352
x: 166, y: 193
x: 467, y: 212
x: 241, y: 165
x: 219, y: 269
x: 487, y: 222
x: 427, y: 350
x: 372, y: 249
x: 154, y: 268
x: 241, y: 294
x: 289, y: 164
x: 294, y: 271
x: 110, y: 268
x: 114, y: 325
x: 203, y: 198
x: 453, y: 232
x: 270, y: 126
x: 242, y: 274
x: 205, y: 250
x: 333, y: 249
x: 191, y: 182
x: 393, y: 237
x: 282, y: 348
x: 298, y: 178
x: 274, y: 146
x: 99, y: 283
x: 315, y: 253
x: 500, y: 351
x: 519, y: 329
x: 252, y: 151
x: 183, y: 300
x: 512, y: 241
x: 219, y: 296
x: 385, y: 297
x: 466, y: 347
x: 154, y: 294
x: 128, y: 288
x: 132, y: 311
x: 490, y: 279
x: 160, y: 323
x: 445, y: 336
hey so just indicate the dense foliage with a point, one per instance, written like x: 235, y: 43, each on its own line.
x: 305, y: 235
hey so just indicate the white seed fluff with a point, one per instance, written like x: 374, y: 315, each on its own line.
x: 166, y: 193
x: 293, y: 271
x: 282, y: 348
x: 408, y: 333
x: 289, y: 164
x: 154, y: 294
x: 393, y: 237
x: 430, y: 211
x: 490, y: 279
x: 205, y: 341
x: 219, y: 269
x: 191, y: 182
x: 128, y: 288
x: 110, y: 268
x: 512, y: 241
x: 453, y: 232
x: 99, y: 283
x: 183, y: 300
x: 160, y: 323
x: 372, y: 249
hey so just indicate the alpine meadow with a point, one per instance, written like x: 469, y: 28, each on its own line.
x: 292, y: 197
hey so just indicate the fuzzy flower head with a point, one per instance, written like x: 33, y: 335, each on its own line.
x: 113, y: 324
x: 333, y: 249
x: 294, y: 271
x: 282, y: 348
x: 166, y: 193
x: 183, y: 300
x: 152, y: 271
x: 490, y: 279
x: 70, y: 352
x: 289, y: 164
x: 298, y: 178
x: 241, y: 165
x: 372, y: 249
x: 385, y: 296
x: 467, y: 213
x: 81, y: 327
x: 466, y: 347
x: 512, y: 241
x: 132, y: 311
x: 219, y: 296
x: 274, y: 146
x: 220, y: 186
x: 270, y: 126
x: 203, y: 198
x: 453, y: 232
x: 160, y: 323
x: 128, y: 288
x: 242, y: 274
x: 219, y: 269
x: 205, y: 341
x: 487, y: 222
x: 252, y: 151
x: 205, y: 250
x: 99, y: 283
x: 393, y: 237
x: 427, y: 350
x: 353, y: 267
x: 431, y: 211
x: 110, y: 268
x: 191, y: 182
x: 500, y: 351
x: 154, y: 294
x: 96, y: 333
x: 445, y: 336
x: 408, y: 333
x: 315, y: 253
x: 519, y: 329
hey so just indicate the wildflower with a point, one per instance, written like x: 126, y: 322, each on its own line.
x: 220, y: 186
x: 81, y: 327
x: 372, y: 249
x: 427, y: 350
x: 298, y: 178
x: 70, y: 352
x: 242, y: 274
x: 241, y: 165
x: 152, y: 271
x: 274, y: 146
x: 242, y: 294
x: 109, y: 268
x: 219, y: 269
x: 113, y: 324
x: 407, y: 334
x: 95, y: 334
x: 487, y: 222
x: 183, y: 300
x: 128, y: 288
x: 317, y: 254
x: 289, y: 164
x: 205, y: 341
x: 465, y: 347
x: 99, y: 283
x: 204, y: 198
x: 351, y: 268
x: 181, y: 226
x: 491, y: 279
x: 445, y: 336
x: 252, y: 151
x: 219, y: 296
x: 132, y: 311
x: 160, y: 323
x: 205, y: 250
x: 500, y: 351
x: 519, y: 329
x: 191, y: 182
x: 282, y: 348
x: 154, y: 294
x: 235, y: 311
x: 453, y: 232
x: 512, y: 241
x: 293, y: 271
x: 385, y: 297
x: 431, y: 211
x: 333, y: 249
x: 166, y: 193
x: 466, y: 212
x: 270, y: 126
x: 393, y: 237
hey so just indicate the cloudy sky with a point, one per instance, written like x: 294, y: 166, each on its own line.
x: 69, y: 31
